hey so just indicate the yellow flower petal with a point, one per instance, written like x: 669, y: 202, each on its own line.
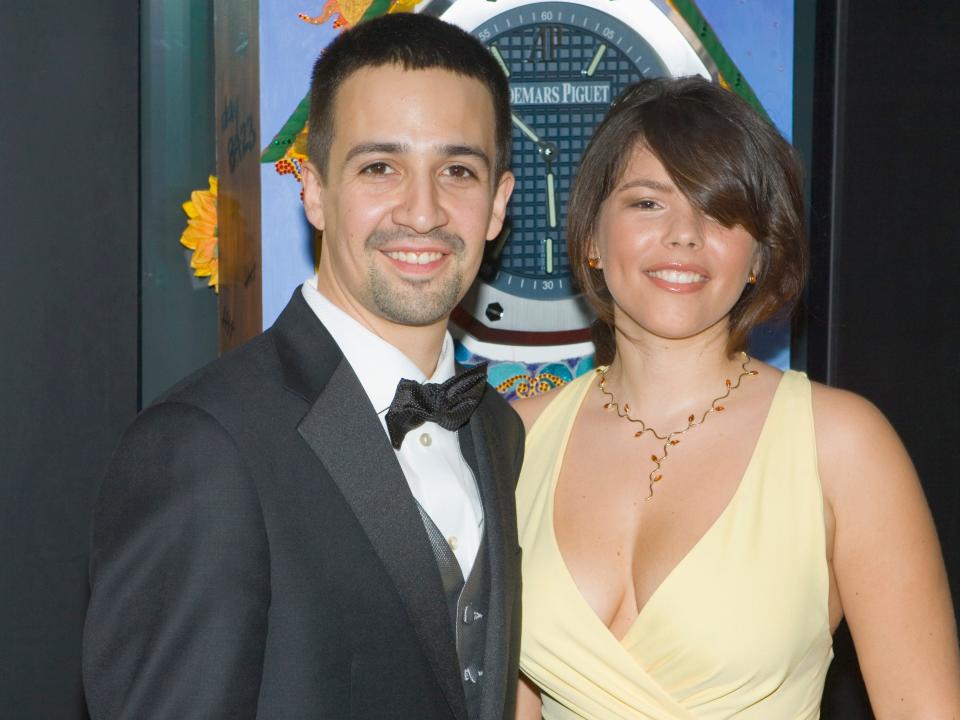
x: 201, y: 233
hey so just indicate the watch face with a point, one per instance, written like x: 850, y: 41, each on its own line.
x: 566, y: 63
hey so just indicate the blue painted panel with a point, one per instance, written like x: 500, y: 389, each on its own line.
x: 758, y: 36
x: 288, y: 48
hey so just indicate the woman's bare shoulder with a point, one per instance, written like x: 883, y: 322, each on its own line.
x: 843, y: 419
x: 857, y: 446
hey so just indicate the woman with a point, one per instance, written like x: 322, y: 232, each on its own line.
x: 694, y: 522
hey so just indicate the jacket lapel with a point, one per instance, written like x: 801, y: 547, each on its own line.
x: 479, y: 442
x: 345, y: 434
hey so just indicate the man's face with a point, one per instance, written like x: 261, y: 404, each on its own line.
x: 409, y: 199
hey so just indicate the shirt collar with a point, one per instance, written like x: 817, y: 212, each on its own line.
x: 377, y: 364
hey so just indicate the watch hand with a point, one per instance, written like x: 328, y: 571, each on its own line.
x: 498, y: 56
x: 525, y: 129
x: 595, y: 62
x: 551, y: 218
x: 548, y: 151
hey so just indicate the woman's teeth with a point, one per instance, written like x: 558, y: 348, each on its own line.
x: 679, y: 277
x: 413, y: 258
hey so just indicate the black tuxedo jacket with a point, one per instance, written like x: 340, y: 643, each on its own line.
x: 257, y: 552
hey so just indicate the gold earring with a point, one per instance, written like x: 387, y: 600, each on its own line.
x: 752, y: 280
x: 593, y: 262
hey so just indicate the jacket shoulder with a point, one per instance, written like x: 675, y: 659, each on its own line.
x: 220, y: 387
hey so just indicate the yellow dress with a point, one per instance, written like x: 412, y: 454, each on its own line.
x: 739, y: 629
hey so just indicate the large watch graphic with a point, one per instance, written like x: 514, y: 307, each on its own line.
x: 566, y: 61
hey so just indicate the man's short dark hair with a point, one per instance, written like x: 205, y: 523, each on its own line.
x: 412, y: 42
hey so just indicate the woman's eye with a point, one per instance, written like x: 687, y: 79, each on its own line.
x: 378, y: 168
x: 647, y: 204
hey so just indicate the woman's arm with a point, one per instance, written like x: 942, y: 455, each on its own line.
x: 529, y: 706
x: 887, y: 562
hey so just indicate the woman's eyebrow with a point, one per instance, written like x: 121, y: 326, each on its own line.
x: 647, y: 183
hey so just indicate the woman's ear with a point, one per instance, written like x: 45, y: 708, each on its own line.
x: 593, y: 256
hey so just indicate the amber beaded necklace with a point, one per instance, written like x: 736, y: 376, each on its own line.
x: 670, y: 439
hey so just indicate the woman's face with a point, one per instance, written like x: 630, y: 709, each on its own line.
x: 672, y: 272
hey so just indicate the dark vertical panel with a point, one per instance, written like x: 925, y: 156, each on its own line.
x: 237, y: 87
x: 898, y: 331
x: 816, y: 104
x: 882, y: 311
x: 178, y: 312
x: 68, y: 322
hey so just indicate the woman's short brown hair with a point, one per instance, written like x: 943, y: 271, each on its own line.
x: 732, y: 164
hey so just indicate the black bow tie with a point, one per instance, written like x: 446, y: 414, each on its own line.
x: 448, y: 404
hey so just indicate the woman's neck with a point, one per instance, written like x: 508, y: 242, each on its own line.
x: 665, y: 380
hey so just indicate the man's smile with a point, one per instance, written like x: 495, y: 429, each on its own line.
x: 414, y: 258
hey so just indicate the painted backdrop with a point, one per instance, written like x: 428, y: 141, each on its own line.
x: 758, y: 35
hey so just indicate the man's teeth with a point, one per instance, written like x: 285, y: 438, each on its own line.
x: 414, y: 258
x: 680, y: 277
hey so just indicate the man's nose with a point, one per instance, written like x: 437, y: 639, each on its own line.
x: 420, y: 205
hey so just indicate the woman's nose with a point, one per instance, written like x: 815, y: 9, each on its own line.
x: 686, y: 232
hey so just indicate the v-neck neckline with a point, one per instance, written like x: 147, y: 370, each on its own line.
x: 711, y: 530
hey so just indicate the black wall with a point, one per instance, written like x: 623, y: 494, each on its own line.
x: 68, y: 322
x: 885, y: 292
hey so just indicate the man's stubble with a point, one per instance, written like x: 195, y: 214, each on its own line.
x: 413, y: 302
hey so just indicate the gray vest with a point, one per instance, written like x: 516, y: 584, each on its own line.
x: 468, y: 609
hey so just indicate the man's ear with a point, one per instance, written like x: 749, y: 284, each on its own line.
x: 501, y: 196
x: 313, y: 194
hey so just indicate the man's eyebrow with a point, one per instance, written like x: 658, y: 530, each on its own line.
x: 387, y: 148
x: 647, y: 183
x: 392, y: 148
x: 460, y: 150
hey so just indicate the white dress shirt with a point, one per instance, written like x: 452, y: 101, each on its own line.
x: 439, y: 477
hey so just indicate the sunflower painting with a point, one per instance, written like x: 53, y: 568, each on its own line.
x: 201, y: 234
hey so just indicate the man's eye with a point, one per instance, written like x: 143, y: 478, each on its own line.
x: 459, y: 171
x: 377, y: 168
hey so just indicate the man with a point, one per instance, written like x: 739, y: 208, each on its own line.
x: 259, y: 548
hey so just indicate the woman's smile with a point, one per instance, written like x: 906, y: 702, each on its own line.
x: 678, y: 277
